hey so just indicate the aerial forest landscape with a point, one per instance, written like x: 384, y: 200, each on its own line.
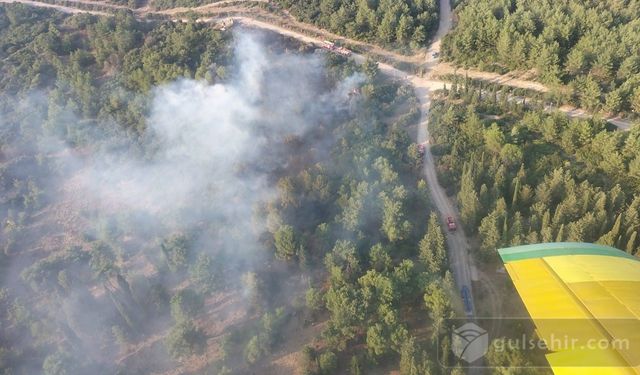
x: 405, y: 187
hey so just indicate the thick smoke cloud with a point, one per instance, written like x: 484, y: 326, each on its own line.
x: 217, y: 143
x: 211, y: 155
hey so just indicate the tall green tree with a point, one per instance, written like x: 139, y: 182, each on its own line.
x: 432, y: 246
x: 285, y: 242
x: 438, y: 303
x: 469, y: 201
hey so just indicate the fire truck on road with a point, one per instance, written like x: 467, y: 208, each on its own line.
x: 451, y: 224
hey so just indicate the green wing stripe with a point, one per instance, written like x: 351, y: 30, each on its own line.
x: 512, y: 254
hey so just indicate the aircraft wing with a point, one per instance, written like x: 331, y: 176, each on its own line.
x: 584, y: 293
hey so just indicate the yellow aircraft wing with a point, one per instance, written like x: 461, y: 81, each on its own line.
x: 584, y: 300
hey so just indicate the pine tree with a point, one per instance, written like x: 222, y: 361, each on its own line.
x: 546, y: 219
x: 547, y: 63
x: 432, y: 246
x: 631, y: 244
x: 386, y: 28
x: 634, y: 101
x: 404, y: 29
x: 533, y: 237
x: 355, y: 367
x: 576, y: 62
x: 494, y: 138
x: 613, y: 102
x: 632, y: 213
x: 380, y: 259
x: 419, y: 37
x: 485, y: 199
x: 519, y: 52
x: 454, y: 88
x: 285, y: 242
x: 547, y: 234
x: 505, y: 229
x: 207, y: 275
x: 503, y: 47
x: 438, y: 303
x: 611, y: 237
x: 500, y: 180
x: 517, y: 235
x: 490, y: 235
x: 394, y: 225
x: 590, y: 94
x: 469, y: 202
x: 516, y: 192
x: 408, y: 353
x: 560, y: 236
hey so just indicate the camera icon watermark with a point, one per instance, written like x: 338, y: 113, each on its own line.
x: 469, y: 342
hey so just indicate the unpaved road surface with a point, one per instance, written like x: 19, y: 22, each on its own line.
x: 211, y: 7
x: 61, y: 8
x: 460, y: 260
x: 424, y: 86
x: 508, y: 79
x: 444, y: 25
x: 458, y: 245
x: 458, y: 248
x: 434, y: 69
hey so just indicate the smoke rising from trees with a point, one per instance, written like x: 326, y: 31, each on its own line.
x: 210, y: 157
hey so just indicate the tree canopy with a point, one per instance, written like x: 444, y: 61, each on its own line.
x: 590, y: 46
x: 406, y: 23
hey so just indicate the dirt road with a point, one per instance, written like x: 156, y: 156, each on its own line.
x: 458, y: 246
x: 574, y: 112
x: 507, y: 79
x: 444, y: 25
x: 211, y: 7
x: 61, y: 8
x: 434, y: 69
x: 459, y: 258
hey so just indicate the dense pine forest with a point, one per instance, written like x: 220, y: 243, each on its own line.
x: 93, y: 64
x: 399, y: 24
x: 145, y: 230
x: 176, y: 198
x: 591, y: 46
x: 525, y: 176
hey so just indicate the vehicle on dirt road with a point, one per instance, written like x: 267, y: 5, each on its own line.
x: 451, y: 224
x: 466, y: 300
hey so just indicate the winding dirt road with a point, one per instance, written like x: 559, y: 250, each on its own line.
x: 458, y: 245
x: 461, y: 262
x: 61, y: 8
x: 286, y: 25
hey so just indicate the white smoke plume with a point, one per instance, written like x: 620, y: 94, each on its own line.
x: 211, y: 142
x: 212, y: 154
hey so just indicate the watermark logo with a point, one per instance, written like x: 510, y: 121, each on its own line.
x: 518, y: 343
x: 469, y: 342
